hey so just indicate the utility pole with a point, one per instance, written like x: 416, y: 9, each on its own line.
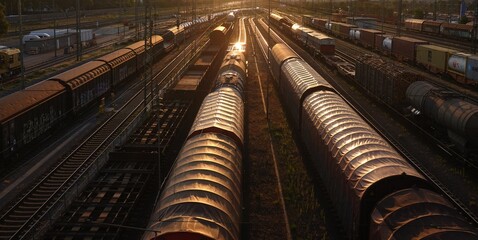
x: 399, y: 18
x: 268, y: 59
x: 148, y: 48
x: 136, y: 19
x: 22, y: 49
x: 78, y: 32
x: 475, y: 22
x: 435, y: 10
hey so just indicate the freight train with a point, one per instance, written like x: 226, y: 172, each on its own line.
x: 27, y: 116
x: 377, y: 193
x: 388, y: 82
x: 459, y: 66
x: 451, y: 30
x: 202, y: 196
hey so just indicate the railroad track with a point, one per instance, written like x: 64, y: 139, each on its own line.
x: 349, y: 52
x: 367, y: 116
x: 61, y: 59
x: 24, y: 218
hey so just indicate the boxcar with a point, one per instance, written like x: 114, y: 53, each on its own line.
x: 456, y: 30
x: 122, y: 63
x: 431, y: 27
x: 342, y: 29
x: 320, y: 23
x: 403, y: 48
x: 307, y: 20
x: 85, y: 83
x: 27, y: 115
x: 367, y: 37
x: 414, y: 24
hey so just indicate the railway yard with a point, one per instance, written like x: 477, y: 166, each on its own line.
x: 245, y: 124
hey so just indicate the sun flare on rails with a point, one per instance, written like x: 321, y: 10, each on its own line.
x: 238, y: 46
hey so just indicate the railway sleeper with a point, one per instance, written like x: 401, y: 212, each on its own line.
x: 71, y: 165
x: 28, y: 208
x: 30, y: 204
x: 7, y: 230
x: 57, y: 176
x: 20, y: 214
x: 44, y: 190
x: 51, y: 183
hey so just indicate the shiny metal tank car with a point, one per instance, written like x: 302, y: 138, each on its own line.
x: 444, y: 107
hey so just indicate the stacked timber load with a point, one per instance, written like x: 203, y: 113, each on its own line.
x: 384, y: 80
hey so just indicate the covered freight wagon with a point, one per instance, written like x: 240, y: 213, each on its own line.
x: 342, y: 29
x: 456, y: 30
x: 431, y: 27
x: 414, y: 24
x: 367, y: 37
x: 403, y: 48
x: 85, y: 83
x: 320, y: 23
x: 27, y: 115
x: 122, y: 63
x: 433, y: 58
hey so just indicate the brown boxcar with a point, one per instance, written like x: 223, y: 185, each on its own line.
x: 342, y: 30
x: 414, y: 24
x: 367, y: 37
x: 27, y: 115
x: 85, y: 83
x: 403, y: 48
x: 431, y: 27
x: 319, y: 23
x: 122, y: 63
x: 457, y: 30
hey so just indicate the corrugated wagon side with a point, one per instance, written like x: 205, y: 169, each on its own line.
x: 27, y: 116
